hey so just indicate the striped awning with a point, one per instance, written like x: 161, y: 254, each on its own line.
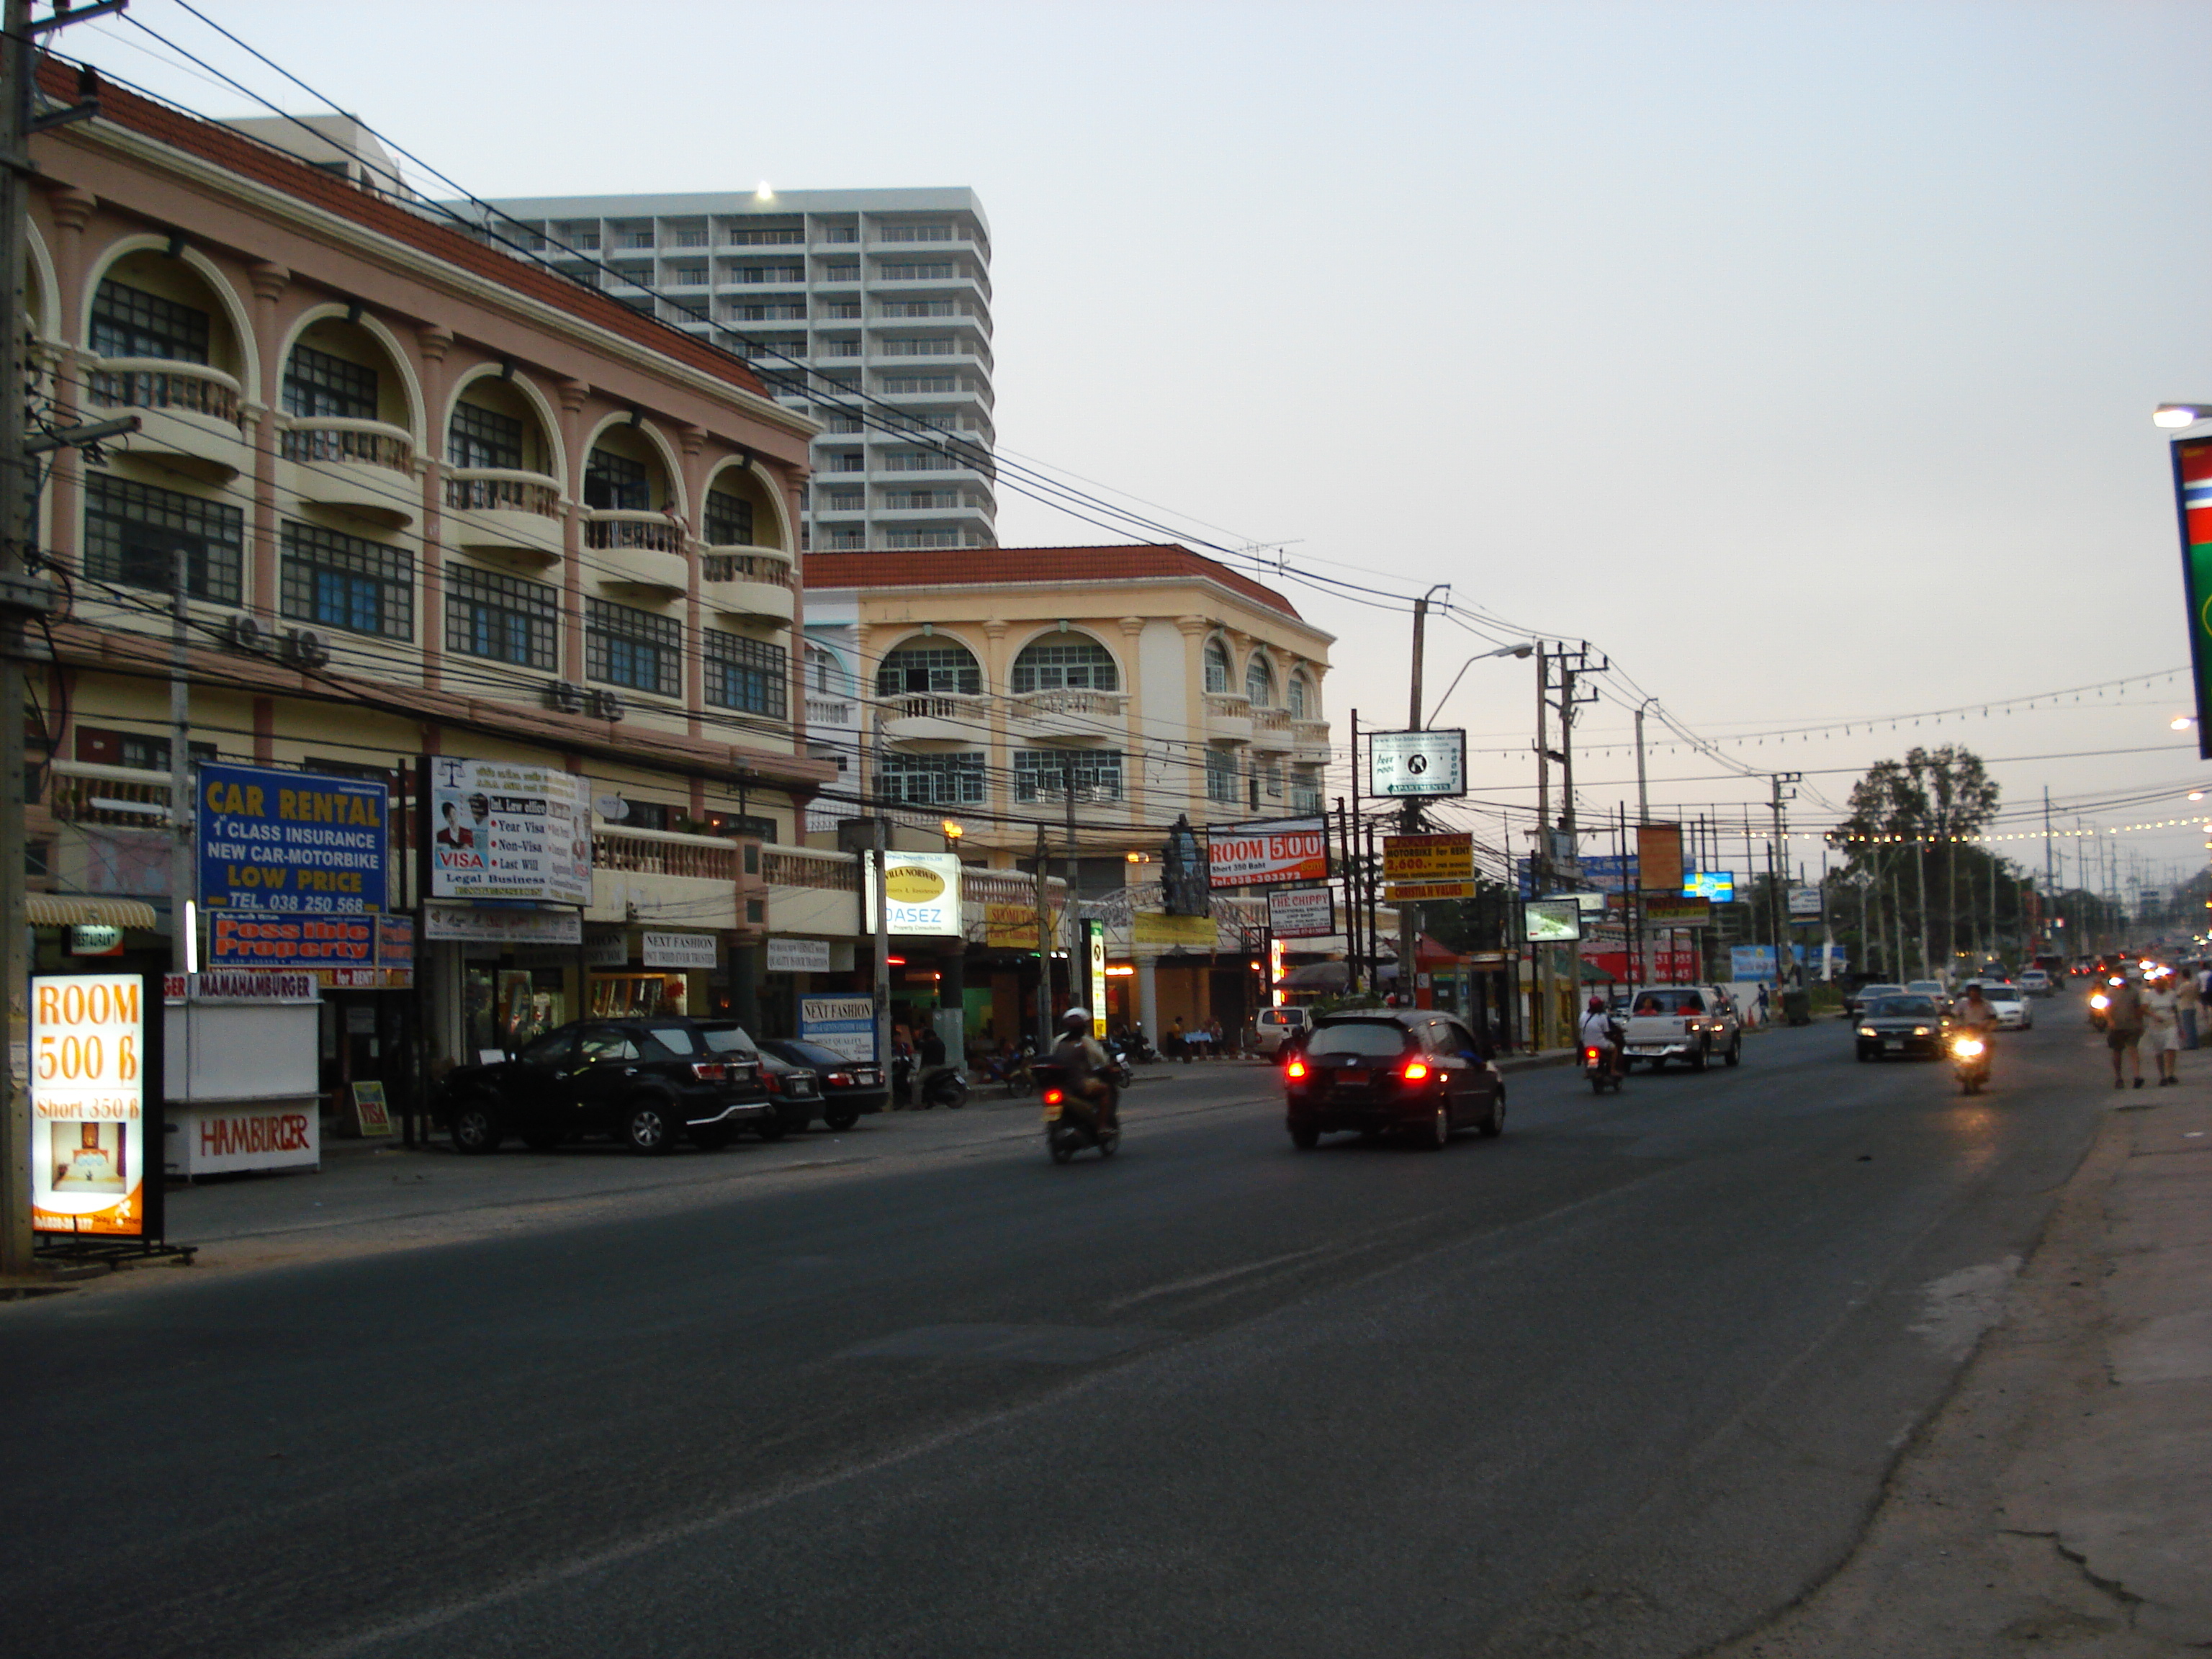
x: 86, y: 909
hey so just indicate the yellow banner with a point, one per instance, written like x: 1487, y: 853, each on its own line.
x: 1421, y: 859
x: 1197, y: 932
x: 1013, y: 927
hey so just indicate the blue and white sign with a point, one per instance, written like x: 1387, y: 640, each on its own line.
x: 844, y: 1025
x: 291, y: 843
x: 1718, y: 885
x: 1756, y: 961
x: 1613, y: 872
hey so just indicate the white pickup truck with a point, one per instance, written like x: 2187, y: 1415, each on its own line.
x: 1688, y: 1022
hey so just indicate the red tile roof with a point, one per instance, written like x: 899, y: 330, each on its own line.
x: 236, y: 153
x: 986, y: 566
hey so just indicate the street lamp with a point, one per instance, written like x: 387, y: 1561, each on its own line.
x: 2178, y: 415
x: 953, y: 831
x: 1479, y: 656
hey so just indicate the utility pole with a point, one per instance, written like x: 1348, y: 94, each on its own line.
x: 2050, y: 869
x: 1044, y: 950
x: 1642, y: 794
x: 1778, y: 867
x: 1540, y: 857
x: 183, y: 872
x: 1409, y: 813
x: 882, y: 921
x: 23, y: 596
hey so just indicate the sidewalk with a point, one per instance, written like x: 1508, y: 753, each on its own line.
x: 2063, y: 1498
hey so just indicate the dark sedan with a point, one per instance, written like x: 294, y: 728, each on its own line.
x: 1901, y: 1025
x: 796, y: 1089
x: 1411, y: 1070
x: 849, y: 1087
x: 649, y: 1083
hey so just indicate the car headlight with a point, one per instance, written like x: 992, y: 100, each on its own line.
x: 1920, y: 1031
x: 1869, y: 1030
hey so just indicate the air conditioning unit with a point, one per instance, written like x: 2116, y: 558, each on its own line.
x: 306, y: 649
x: 607, y: 705
x: 566, y: 696
x: 244, y: 635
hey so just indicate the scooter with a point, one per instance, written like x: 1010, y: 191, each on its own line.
x: 1117, y: 1064
x: 1012, y: 1070
x: 1597, y: 1067
x: 1071, y: 1122
x: 947, y: 1088
x: 1970, y: 1061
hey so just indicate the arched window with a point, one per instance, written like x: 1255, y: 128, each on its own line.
x: 1259, y: 683
x: 930, y: 665
x: 1296, y: 698
x: 1066, y: 659
x: 825, y: 675
x: 1217, y: 666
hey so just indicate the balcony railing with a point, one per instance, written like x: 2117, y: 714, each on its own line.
x: 935, y: 706
x: 612, y: 529
x: 1271, y: 719
x: 330, y: 438
x: 81, y: 792
x: 497, y: 490
x: 1228, y: 705
x: 745, y: 567
x: 820, y: 870
x: 162, y: 383
x: 1312, y: 734
x: 1069, y: 700
x: 665, y: 852
x: 821, y: 711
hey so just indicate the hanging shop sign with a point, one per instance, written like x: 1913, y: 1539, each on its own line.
x: 1094, y: 932
x: 96, y: 938
x: 922, y: 893
x: 1417, y: 868
x: 92, y: 1106
x: 845, y: 1025
x: 1806, y: 904
x: 1188, y: 933
x: 695, y: 952
x: 1280, y: 852
x: 1551, y: 922
x: 1302, y: 912
x: 233, y: 984
x: 498, y: 830
x: 798, y: 956
x: 1416, y: 763
x: 2192, y: 495
x: 481, y: 924
x: 290, y: 843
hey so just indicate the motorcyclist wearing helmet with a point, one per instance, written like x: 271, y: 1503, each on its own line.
x: 1600, y: 1029
x: 1085, y: 1061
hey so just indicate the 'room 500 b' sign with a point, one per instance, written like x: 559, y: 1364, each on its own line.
x: 88, y: 1104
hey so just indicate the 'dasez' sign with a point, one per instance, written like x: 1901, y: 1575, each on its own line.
x: 291, y: 843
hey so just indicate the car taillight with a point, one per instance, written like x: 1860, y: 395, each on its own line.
x: 1416, y: 1071
x: 771, y: 1082
x: 838, y: 1079
x: 1296, y: 1068
x: 1053, y: 1096
x: 709, y: 1071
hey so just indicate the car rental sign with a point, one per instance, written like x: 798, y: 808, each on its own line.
x: 291, y: 843
x: 1276, y: 853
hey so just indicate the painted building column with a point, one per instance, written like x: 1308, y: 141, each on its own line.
x: 71, y: 208
x: 1148, y: 997
x: 262, y: 432
x: 573, y: 394
x: 434, y: 342
x: 691, y: 442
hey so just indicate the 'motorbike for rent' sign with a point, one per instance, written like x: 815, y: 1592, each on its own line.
x: 1279, y: 852
x: 90, y: 1105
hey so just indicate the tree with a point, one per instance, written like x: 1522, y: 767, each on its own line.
x: 1901, y: 812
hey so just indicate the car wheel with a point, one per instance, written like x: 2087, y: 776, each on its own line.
x: 1438, y: 1133
x: 475, y: 1127
x: 1304, y: 1139
x: 1698, y: 1061
x: 542, y: 1140
x: 648, y: 1126
x: 771, y: 1128
x: 714, y: 1137
x: 1493, y: 1122
x: 1734, y: 1055
x: 1061, y: 1142
x: 840, y: 1118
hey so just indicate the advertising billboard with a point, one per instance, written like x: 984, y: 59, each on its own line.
x: 922, y: 894
x: 1718, y: 885
x: 1416, y: 763
x: 2192, y: 498
x: 1806, y: 903
x: 499, y: 829
x: 292, y: 843
x: 844, y: 1025
x: 1302, y: 912
x: 1421, y: 867
x: 1551, y: 922
x: 1281, y: 852
x: 1659, y: 857
x: 90, y: 1106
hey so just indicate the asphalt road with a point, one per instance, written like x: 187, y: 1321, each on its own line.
x: 1623, y: 1382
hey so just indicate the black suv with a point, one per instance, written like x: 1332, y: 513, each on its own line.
x: 646, y: 1082
x: 1412, y: 1070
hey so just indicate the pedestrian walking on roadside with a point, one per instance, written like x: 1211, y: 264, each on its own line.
x: 1762, y: 1002
x: 2162, y: 1024
x: 2124, y: 1029
x: 2189, y: 1001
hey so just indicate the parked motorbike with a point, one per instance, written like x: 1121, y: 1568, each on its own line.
x: 1138, y: 1048
x: 1012, y: 1070
x: 1071, y: 1122
x: 1117, y: 1063
x: 1970, y: 1061
x: 1598, y: 1069
x: 947, y: 1088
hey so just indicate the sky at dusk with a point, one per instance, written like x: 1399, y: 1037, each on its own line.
x: 1798, y: 357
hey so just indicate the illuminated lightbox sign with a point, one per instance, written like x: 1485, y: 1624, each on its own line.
x: 88, y: 1106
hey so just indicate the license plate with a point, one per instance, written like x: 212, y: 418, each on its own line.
x: 1353, y: 1077
x: 1647, y: 1051
x: 1894, y: 1042
x: 1052, y: 1112
x: 868, y: 1077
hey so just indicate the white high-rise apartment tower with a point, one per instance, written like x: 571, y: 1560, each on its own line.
x: 887, y: 291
